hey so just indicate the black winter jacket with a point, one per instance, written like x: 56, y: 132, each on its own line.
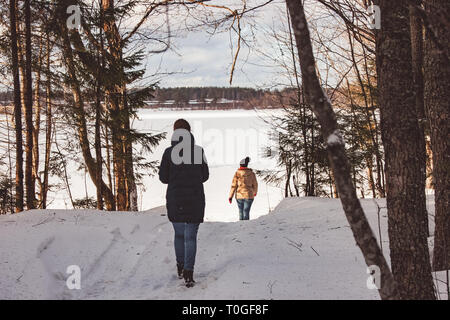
x: 185, y: 197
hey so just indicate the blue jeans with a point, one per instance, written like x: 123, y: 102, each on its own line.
x: 185, y: 243
x: 244, y: 206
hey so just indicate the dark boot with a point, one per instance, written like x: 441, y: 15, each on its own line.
x: 188, y: 276
x: 180, y: 270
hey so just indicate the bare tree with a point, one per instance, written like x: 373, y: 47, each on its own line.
x: 316, y: 96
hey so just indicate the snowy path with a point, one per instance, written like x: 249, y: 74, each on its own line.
x: 303, y: 250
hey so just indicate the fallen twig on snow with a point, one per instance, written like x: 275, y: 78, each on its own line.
x: 45, y: 220
x: 315, y: 251
x: 297, y: 245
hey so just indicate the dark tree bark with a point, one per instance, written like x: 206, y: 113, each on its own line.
x: 312, y: 164
x: 98, y: 147
x: 108, y: 165
x: 48, y: 126
x: 437, y: 100
x: 417, y: 63
x: 316, y: 97
x: 29, y: 181
x: 117, y: 111
x: 98, y: 106
x: 37, y: 120
x: 17, y: 107
x: 132, y: 204
x: 98, y: 156
x: 401, y: 135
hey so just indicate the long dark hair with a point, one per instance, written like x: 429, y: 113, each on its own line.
x: 181, y: 124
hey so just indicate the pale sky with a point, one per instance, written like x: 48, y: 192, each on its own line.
x: 199, y: 59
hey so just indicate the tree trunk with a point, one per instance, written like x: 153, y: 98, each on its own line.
x: 410, y: 259
x: 312, y: 165
x: 37, y: 121
x: 48, y: 125
x: 10, y: 163
x: 131, y: 188
x: 117, y: 106
x: 17, y: 107
x: 129, y: 169
x: 294, y: 180
x: 29, y: 182
x: 108, y: 158
x: 437, y: 101
x: 369, y: 163
x: 317, y: 98
x: 98, y: 150
x: 98, y: 106
x: 417, y: 64
x: 334, y: 191
x: 288, y: 179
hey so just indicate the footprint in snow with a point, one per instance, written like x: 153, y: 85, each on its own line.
x: 44, y: 245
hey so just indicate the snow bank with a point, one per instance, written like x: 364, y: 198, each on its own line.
x: 303, y: 250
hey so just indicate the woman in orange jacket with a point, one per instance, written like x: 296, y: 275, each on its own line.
x: 245, y: 186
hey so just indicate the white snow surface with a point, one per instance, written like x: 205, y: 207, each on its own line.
x: 304, y: 249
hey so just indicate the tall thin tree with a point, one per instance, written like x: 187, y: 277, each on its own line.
x: 48, y: 125
x: 98, y: 106
x: 417, y: 63
x: 117, y: 103
x: 17, y: 107
x: 29, y: 181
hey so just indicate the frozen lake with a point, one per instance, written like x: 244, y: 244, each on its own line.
x: 226, y: 136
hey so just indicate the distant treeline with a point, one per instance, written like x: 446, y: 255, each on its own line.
x: 202, y: 97
x: 217, y: 98
x: 202, y: 93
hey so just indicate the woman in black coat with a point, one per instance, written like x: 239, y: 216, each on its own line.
x: 184, y: 168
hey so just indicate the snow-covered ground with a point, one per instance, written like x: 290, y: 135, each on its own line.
x: 304, y: 249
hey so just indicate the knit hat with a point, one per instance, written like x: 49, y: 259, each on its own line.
x: 244, y: 162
